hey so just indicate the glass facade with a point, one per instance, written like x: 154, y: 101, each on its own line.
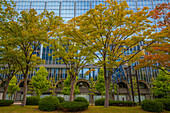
x: 68, y: 9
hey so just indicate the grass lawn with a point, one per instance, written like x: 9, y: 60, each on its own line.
x: 91, y: 109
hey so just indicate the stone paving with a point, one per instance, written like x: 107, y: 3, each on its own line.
x: 17, y: 103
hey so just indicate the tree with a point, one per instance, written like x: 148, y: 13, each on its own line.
x: 52, y: 86
x: 92, y: 89
x: 26, y: 33
x: 8, y: 67
x: 109, y: 32
x: 67, y: 87
x: 72, y: 54
x: 161, y: 85
x: 13, y: 87
x: 158, y: 54
x: 39, y: 82
x: 100, y: 85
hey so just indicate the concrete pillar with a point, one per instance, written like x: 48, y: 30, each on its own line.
x: 18, y: 96
x: 1, y: 94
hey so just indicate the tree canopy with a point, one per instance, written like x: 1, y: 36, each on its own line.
x: 158, y: 54
x: 110, y: 32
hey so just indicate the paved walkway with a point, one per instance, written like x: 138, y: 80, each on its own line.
x: 17, y: 103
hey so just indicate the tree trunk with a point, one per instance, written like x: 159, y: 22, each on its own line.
x: 92, y: 98
x: 107, y: 84
x: 15, y: 96
x: 131, y: 83
x: 149, y: 94
x: 5, y: 90
x: 101, y: 96
x: 138, y: 87
x: 117, y: 92
x: 113, y: 96
x: 25, y: 92
x: 129, y: 94
x: 106, y: 104
x: 72, y: 90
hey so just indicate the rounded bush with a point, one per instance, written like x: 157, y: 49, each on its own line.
x: 100, y: 102
x: 152, y: 106
x: 48, y: 103
x: 6, y: 102
x: 61, y: 99
x: 165, y: 102
x: 33, y: 100
x: 73, y: 106
x: 81, y: 99
x: 167, y: 105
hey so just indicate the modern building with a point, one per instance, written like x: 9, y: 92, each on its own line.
x: 68, y: 9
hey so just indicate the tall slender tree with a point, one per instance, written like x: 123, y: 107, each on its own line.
x: 161, y: 85
x: 92, y: 89
x: 13, y: 87
x: 39, y: 82
x: 100, y: 85
x: 109, y: 32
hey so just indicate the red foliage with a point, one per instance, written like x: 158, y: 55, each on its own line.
x: 159, y: 52
x: 161, y: 11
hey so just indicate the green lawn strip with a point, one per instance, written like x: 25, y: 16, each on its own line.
x: 91, y: 109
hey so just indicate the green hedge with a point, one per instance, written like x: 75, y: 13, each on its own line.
x: 48, y: 103
x: 122, y: 103
x: 100, y: 102
x: 152, y: 106
x: 165, y: 102
x: 82, y: 99
x: 61, y: 99
x: 72, y: 106
x: 6, y: 102
x: 33, y: 100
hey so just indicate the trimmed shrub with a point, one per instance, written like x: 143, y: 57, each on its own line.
x: 121, y: 103
x: 167, y: 105
x: 99, y: 102
x: 73, y: 106
x: 82, y: 99
x: 152, y: 106
x: 165, y: 102
x: 6, y: 102
x: 33, y: 100
x: 48, y: 103
x: 61, y: 99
